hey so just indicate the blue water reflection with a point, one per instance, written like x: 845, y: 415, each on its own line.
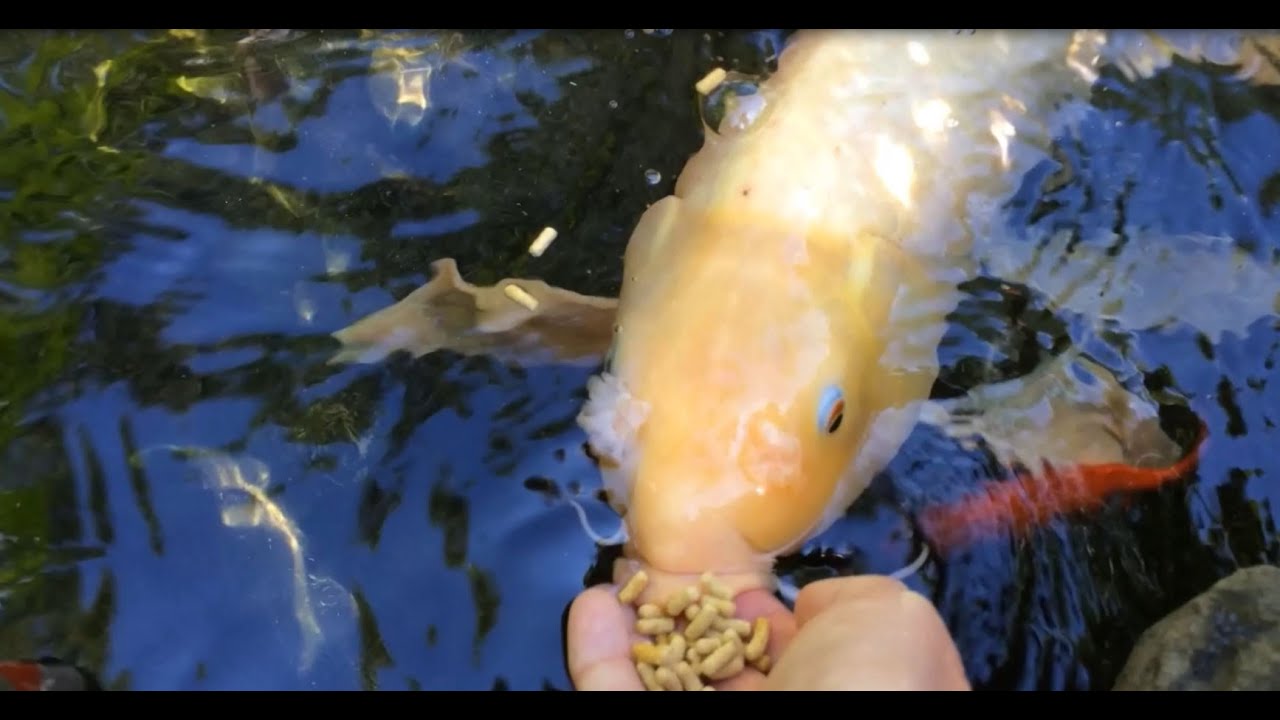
x: 192, y: 497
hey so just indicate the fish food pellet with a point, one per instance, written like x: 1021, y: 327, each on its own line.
x: 688, y: 678
x: 666, y: 677
x: 698, y: 626
x: 633, y: 588
x: 711, y: 81
x: 649, y: 610
x: 655, y: 626
x: 520, y: 295
x: 741, y: 628
x: 648, y: 654
x: 706, y: 646
x: 648, y: 676
x: 693, y: 637
x: 542, y: 242
x: 726, y: 608
x: 755, y: 648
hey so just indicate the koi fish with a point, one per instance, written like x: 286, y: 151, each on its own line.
x: 45, y: 674
x: 1093, y: 440
x: 775, y: 337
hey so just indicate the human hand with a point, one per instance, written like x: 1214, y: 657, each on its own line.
x: 856, y: 633
x: 867, y: 633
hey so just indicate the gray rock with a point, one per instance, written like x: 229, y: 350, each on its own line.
x: 1226, y: 638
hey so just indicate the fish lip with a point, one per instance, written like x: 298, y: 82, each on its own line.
x: 754, y: 574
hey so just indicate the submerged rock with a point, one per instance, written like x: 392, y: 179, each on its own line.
x: 1226, y: 638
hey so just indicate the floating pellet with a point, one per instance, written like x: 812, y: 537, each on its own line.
x: 655, y: 626
x: 542, y: 242
x: 633, y: 588
x: 711, y: 81
x: 518, y: 294
x: 692, y: 611
x: 759, y: 640
x: 648, y: 676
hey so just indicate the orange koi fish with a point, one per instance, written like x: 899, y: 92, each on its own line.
x: 1031, y: 500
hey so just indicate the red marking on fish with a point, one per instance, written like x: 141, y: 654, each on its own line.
x: 22, y: 675
x: 1031, y: 500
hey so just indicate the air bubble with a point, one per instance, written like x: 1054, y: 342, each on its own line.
x: 734, y: 105
x: 653, y: 177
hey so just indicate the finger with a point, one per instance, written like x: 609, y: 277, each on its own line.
x: 599, y: 642
x: 822, y: 594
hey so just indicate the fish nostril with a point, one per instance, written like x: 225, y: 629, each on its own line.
x: 769, y: 456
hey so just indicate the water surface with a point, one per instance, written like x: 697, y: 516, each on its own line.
x: 192, y: 498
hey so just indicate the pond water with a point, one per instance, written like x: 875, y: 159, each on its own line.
x: 192, y: 497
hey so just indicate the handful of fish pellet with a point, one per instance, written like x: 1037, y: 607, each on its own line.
x: 696, y: 637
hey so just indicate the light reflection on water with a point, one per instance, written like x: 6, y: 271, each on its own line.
x: 184, y: 232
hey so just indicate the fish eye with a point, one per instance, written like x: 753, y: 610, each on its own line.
x: 830, y: 409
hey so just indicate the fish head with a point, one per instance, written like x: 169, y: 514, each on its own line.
x: 731, y: 415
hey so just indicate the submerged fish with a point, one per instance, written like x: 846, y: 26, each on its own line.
x: 775, y: 338
x: 45, y: 674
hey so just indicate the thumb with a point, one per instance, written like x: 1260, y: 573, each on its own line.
x: 817, y: 597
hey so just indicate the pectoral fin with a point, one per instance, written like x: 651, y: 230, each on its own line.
x: 1072, y: 437
x: 533, y: 323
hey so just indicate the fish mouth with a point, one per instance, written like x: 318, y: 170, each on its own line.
x: 662, y: 583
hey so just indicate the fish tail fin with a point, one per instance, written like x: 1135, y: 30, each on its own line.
x: 513, y: 319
